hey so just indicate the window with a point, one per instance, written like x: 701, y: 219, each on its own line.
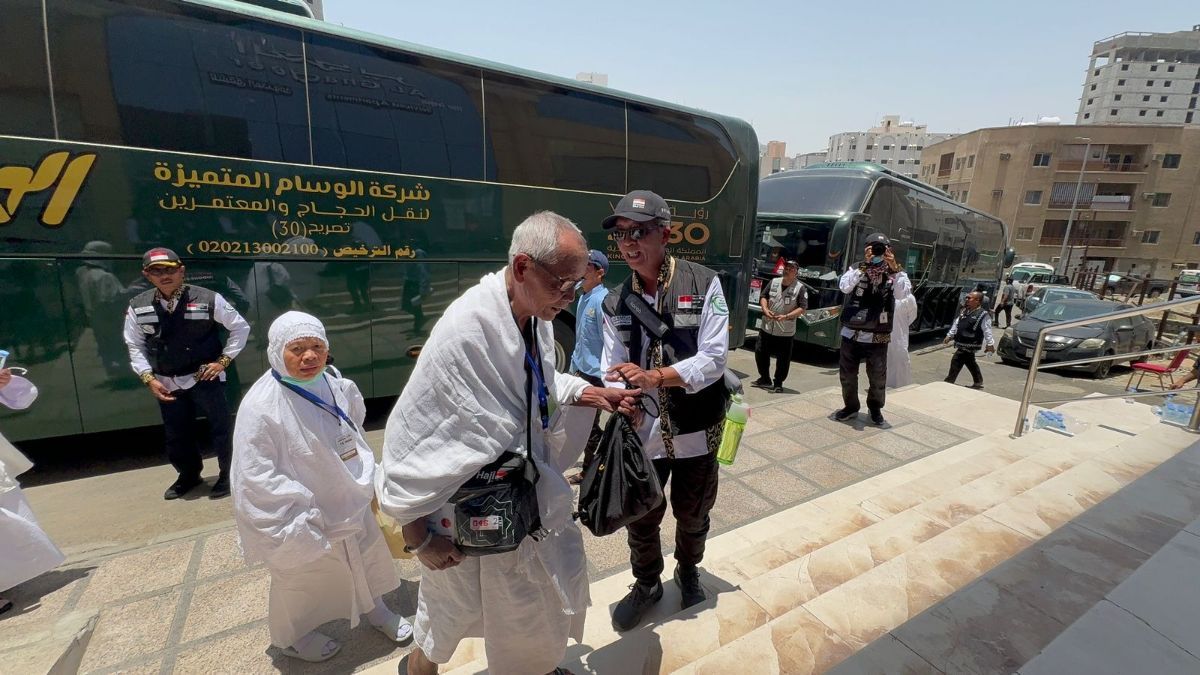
x: 1162, y: 99
x: 1120, y: 83
x: 1153, y: 68
x: 1096, y: 72
x: 1166, y: 83
x: 1158, y: 114
x: 1087, y: 115
x: 24, y: 88
x: 1149, y: 83
x: 1196, y: 88
x: 1161, y: 199
x: 1187, y: 119
x: 1090, y: 101
x: 958, y: 163
x: 964, y: 196
x: 1033, y: 196
x: 887, y: 147
x: 1170, y: 69
x: 919, y: 147
x: 1141, y: 113
x: 1025, y: 233
x: 870, y: 146
x: 1041, y: 159
x: 1171, y: 161
x: 883, y: 161
x: 1146, y: 98
x: 916, y: 161
x: 1093, y: 87
x: 970, y: 161
x: 677, y: 155
x: 1124, y: 66
x: 1113, y: 111
x: 1196, y: 239
x: 1117, y: 97
x: 853, y: 147
x: 1150, y: 236
x: 1192, y: 103
x: 904, y: 147
x: 900, y: 161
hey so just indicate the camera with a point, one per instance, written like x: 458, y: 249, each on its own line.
x: 878, y: 248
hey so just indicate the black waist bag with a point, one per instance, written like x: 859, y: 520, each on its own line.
x: 498, y: 507
x: 620, y: 485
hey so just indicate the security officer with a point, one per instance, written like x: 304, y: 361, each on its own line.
x: 589, y: 342
x: 666, y: 332
x: 172, y: 334
x: 871, y: 289
x: 972, y: 329
x: 782, y: 301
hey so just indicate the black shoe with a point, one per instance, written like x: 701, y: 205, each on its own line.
x: 181, y: 487
x: 688, y: 581
x: 948, y: 380
x: 777, y: 389
x: 762, y: 382
x: 220, y: 488
x: 845, y: 414
x: 977, y: 385
x: 630, y: 609
x: 877, y: 418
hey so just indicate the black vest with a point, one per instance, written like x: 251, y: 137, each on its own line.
x: 970, y: 329
x: 869, y: 308
x: 180, y: 342
x: 682, y: 305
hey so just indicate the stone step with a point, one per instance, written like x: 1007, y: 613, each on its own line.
x: 54, y: 647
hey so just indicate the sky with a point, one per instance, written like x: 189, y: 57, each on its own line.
x: 798, y: 71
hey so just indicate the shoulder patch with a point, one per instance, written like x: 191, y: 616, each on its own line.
x: 718, y: 305
x: 143, y: 310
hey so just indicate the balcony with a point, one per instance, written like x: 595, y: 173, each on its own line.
x: 1057, y: 240
x: 1099, y: 165
x: 1097, y: 203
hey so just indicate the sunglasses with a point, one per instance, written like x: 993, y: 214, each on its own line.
x: 160, y: 271
x: 564, y: 284
x: 634, y: 233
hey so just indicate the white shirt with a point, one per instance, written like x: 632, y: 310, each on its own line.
x: 223, y: 313
x: 985, y: 322
x: 901, y: 288
x: 697, y: 372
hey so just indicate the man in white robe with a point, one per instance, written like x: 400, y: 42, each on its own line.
x: 303, y: 481
x: 899, y: 367
x: 463, y: 407
x: 25, y: 550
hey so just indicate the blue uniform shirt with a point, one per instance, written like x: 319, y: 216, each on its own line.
x: 589, y: 333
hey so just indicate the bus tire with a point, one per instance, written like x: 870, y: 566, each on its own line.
x: 564, y: 345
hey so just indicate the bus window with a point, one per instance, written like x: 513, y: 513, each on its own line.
x: 893, y: 211
x: 812, y: 195
x: 388, y: 111
x: 544, y: 135
x: 678, y: 156
x: 160, y: 75
x: 24, y: 87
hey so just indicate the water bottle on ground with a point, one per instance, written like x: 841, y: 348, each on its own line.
x: 735, y: 424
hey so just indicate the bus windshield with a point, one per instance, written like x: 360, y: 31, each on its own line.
x: 806, y: 243
x: 812, y: 195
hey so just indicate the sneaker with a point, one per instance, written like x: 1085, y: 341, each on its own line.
x: 777, y: 389
x: 181, y: 487
x: 630, y: 609
x: 762, y: 382
x: 845, y: 414
x: 977, y: 385
x: 220, y: 488
x: 877, y: 418
x: 688, y: 581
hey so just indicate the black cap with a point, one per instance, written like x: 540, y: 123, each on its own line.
x: 880, y: 238
x: 640, y: 206
x: 160, y: 256
x: 791, y: 263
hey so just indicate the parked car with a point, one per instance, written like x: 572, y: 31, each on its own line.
x: 1188, y: 283
x: 1119, y: 336
x: 1055, y: 293
x: 1125, y: 284
x: 1036, y: 281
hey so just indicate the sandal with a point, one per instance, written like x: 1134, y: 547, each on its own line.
x: 316, y: 652
x: 396, y: 629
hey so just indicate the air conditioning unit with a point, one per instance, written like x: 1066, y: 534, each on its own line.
x: 997, y: 193
x: 1158, y: 157
x: 1005, y: 155
x: 1149, y: 195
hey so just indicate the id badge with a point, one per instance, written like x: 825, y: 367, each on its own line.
x: 883, y: 317
x: 347, y: 447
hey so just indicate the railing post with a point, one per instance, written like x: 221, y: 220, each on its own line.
x: 1162, y: 323
x: 1142, y: 295
x: 1194, y: 423
x: 1033, y: 368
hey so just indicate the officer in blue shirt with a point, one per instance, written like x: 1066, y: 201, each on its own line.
x: 589, y: 341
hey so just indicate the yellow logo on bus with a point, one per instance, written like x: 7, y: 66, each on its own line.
x: 52, y: 171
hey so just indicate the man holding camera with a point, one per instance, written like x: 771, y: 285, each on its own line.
x: 871, y: 289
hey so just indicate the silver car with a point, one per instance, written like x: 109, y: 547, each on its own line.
x: 1055, y: 293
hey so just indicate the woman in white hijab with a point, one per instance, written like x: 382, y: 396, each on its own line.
x: 26, y: 551
x: 302, y: 489
x: 899, y: 370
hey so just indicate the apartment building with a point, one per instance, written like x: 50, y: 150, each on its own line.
x: 894, y: 143
x: 1143, y: 78
x: 1137, y: 209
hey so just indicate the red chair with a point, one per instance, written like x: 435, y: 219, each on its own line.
x: 1142, y: 368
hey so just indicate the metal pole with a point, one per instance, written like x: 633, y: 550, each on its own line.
x: 1062, y: 253
x: 1034, y: 360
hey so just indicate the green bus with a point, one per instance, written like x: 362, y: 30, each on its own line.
x: 297, y: 164
x: 820, y: 216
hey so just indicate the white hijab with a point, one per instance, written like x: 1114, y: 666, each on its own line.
x: 289, y: 327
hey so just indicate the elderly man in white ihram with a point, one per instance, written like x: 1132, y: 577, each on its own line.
x: 469, y: 402
x: 303, y: 481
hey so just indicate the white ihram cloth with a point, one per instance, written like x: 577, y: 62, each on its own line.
x: 26, y: 551
x: 463, y: 407
x: 298, y: 506
x: 899, y: 369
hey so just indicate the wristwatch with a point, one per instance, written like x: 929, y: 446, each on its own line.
x: 419, y: 547
x: 224, y: 361
x: 147, y: 376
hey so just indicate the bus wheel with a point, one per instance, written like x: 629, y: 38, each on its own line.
x: 564, y: 345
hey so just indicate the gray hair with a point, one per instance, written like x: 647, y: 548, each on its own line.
x: 538, y: 237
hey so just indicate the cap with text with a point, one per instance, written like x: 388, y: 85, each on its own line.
x: 639, y: 206
x: 164, y: 257
x: 598, y: 259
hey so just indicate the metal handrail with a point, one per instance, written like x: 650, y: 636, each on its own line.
x: 1035, y: 362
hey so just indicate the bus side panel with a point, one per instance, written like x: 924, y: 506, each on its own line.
x: 408, y: 299
x: 37, y: 335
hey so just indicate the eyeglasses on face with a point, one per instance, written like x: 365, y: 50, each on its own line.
x: 161, y: 271
x: 634, y: 233
x: 564, y: 284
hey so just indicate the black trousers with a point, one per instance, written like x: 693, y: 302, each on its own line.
x: 779, y: 346
x: 1007, y: 309
x: 693, y: 491
x: 853, y: 353
x: 964, y: 356
x: 593, y: 442
x: 179, y: 420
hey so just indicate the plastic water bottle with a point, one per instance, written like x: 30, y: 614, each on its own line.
x: 731, y: 435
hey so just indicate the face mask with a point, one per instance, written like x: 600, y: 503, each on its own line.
x: 295, y: 380
x: 876, y: 259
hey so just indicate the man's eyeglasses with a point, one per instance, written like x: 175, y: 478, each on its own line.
x: 634, y: 233
x: 160, y: 271
x: 564, y: 284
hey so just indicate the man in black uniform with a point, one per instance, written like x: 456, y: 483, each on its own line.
x: 972, y: 329
x: 174, y: 346
x: 666, y: 333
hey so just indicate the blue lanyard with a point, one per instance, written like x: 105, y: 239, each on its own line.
x: 535, y: 367
x: 312, y: 398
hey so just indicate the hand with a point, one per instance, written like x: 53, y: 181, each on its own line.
x: 440, y: 554
x: 160, y: 391
x: 867, y: 254
x: 210, y: 371
x: 890, y: 258
x: 641, y: 379
x: 990, y: 349
x: 610, y: 399
x: 5, y: 377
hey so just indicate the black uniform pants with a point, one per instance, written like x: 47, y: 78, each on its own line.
x: 693, y: 491
x: 593, y: 441
x: 779, y: 346
x: 853, y: 353
x: 1007, y: 309
x: 964, y: 356
x: 179, y: 420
